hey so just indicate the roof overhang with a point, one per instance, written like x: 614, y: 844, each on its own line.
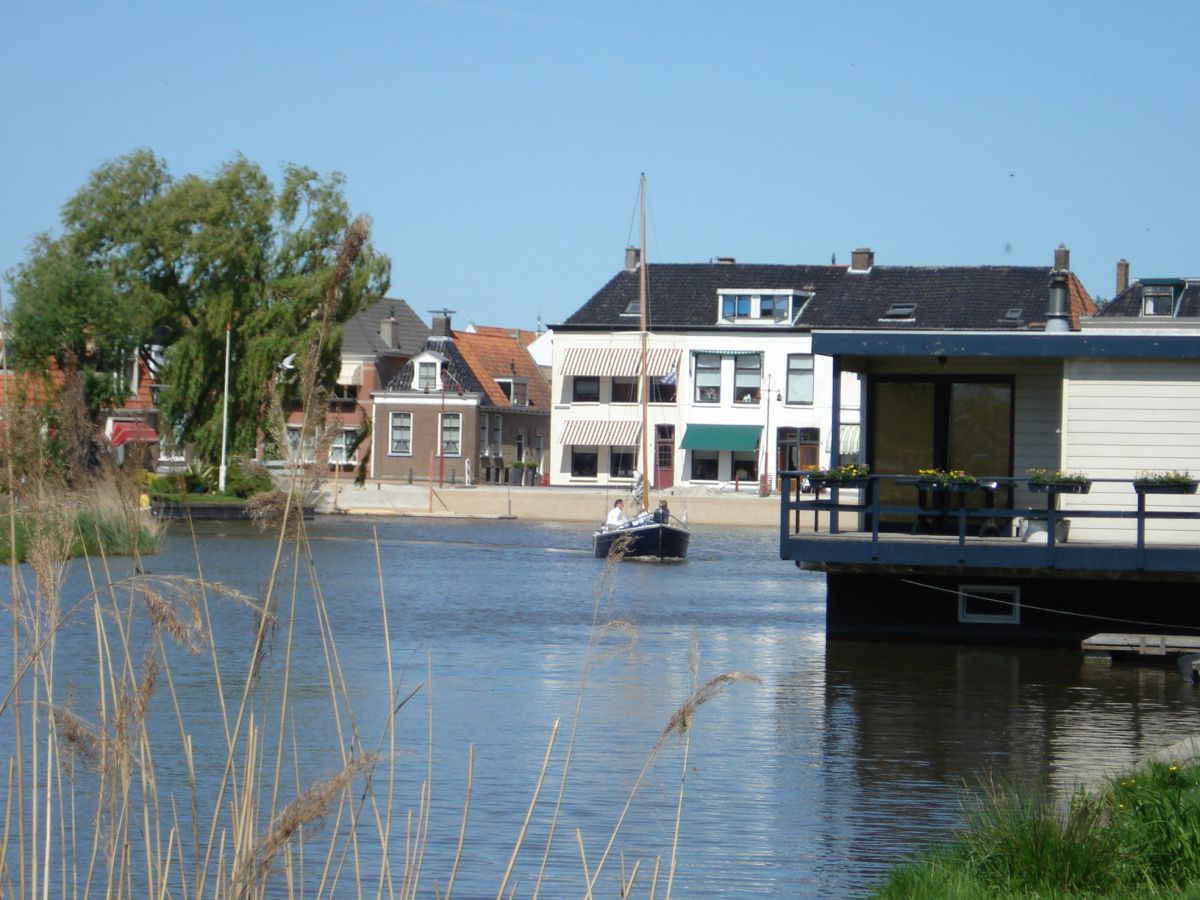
x: 1022, y: 345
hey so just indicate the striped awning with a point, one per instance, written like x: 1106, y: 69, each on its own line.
x: 620, y: 361
x: 590, y: 431
x: 350, y: 373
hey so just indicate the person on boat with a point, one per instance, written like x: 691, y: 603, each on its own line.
x: 662, y: 515
x: 616, y: 515
x: 643, y: 517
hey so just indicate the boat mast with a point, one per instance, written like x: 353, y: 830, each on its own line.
x: 644, y: 385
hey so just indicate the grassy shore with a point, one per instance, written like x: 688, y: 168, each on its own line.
x: 1138, y: 837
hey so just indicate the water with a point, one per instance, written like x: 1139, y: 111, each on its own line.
x: 847, y: 757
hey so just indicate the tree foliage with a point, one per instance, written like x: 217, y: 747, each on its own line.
x: 148, y: 258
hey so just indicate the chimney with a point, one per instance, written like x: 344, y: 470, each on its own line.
x: 387, y: 330
x: 441, y: 322
x: 633, y: 257
x: 1122, y: 276
x: 1058, y: 316
x: 862, y: 259
x: 1062, y: 258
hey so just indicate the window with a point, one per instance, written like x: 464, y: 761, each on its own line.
x: 662, y: 390
x: 800, y: 378
x: 539, y: 446
x: 583, y: 462
x: 309, y: 453
x: 902, y: 311
x: 484, y: 447
x: 624, y: 390
x: 1000, y: 605
x: 520, y: 446
x: 708, y: 378
x: 426, y: 376
x: 775, y: 308
x: 745, y: 466
x: 621, y: 462
x: 400, y: 426
x: 1158, y: 300
x: 735, y: 306
x: 343, y: 439
x: 515, y: 389
x: 451, y: 434
x: 497, y: 435
x: 344, y: 393
x: 587, y: 389
x: 747, y: 378
x: 704, y: 465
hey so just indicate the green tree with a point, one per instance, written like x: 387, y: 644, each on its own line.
x: 176, y: 261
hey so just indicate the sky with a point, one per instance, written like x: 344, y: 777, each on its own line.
x: 497, y: 144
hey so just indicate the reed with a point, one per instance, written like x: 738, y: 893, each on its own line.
x: 121, y: 787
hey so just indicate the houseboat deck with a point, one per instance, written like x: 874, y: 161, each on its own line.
x: 960, y: 539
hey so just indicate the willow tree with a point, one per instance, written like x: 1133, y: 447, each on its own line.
x: 184, y: 258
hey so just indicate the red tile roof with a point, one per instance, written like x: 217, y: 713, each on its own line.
x: 496, y: 353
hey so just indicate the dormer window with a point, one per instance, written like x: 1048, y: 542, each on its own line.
x: 515, y: 389
x: 759, y: 307
x: 634, y: 308
x: 427, y: 376
x: 904, y: 312
x: 1158, y: 300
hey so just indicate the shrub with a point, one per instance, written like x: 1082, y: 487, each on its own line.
x: 246, y: 478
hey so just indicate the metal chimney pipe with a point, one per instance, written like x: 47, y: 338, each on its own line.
x: 1058, y: 316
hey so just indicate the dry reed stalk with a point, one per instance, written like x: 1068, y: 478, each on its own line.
x: 537, y: 790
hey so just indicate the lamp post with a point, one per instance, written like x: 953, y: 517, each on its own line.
x: 224, y: 417
x: 442, y: 426
x: 764, y: 485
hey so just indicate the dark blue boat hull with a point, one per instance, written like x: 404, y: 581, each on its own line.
x: 651, y: 541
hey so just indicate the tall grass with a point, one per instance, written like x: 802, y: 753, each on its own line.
x: 1138, y: 837
x: 121, y: 788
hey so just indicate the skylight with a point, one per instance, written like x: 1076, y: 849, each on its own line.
x: 1014, y: 314
x: 900, y: 311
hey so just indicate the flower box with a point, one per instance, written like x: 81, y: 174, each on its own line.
x: 1165, y: 487
x: 929, y: 484
x: 819, y: 484
x: 1059, y: 487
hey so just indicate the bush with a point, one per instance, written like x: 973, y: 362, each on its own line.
x: 246, y: 478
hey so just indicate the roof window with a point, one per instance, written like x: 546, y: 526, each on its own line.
x: 901, y: 311
x: 1014, y: 314
x: 759, y: 307
x: 1158, y: 300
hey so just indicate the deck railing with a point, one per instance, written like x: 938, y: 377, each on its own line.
x: 944, y: 510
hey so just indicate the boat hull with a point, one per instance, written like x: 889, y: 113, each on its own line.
x: 650, y: 541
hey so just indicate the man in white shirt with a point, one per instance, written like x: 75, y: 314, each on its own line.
x: 616, y: 515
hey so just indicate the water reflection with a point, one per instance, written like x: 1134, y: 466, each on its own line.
x: 847, y: 757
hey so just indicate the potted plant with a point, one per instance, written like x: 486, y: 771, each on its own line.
x: 1056, y: 481
x: 1172, y: 482
x: 516, y: 472
x: 945, y: 480
x: 848, y: 476
x: 531, y: 468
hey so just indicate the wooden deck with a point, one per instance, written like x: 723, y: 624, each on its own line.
x: 1143, y: 644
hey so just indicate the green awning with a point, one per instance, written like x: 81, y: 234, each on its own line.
x: 721, y: 437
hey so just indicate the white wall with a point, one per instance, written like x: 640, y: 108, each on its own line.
x: 1123, y: 417
x: 775, y: 350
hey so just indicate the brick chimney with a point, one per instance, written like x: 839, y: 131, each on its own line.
x: 441, y: 322
x: 387, y: 330
x: 862, y: 259
x: 1062, y: 258
x: 1122, y: 276
x: 633, y: 258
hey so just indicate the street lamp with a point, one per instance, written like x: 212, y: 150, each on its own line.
x: 442, y: 425
x: 763, y: 479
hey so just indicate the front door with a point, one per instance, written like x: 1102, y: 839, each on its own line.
x: 664, y: 457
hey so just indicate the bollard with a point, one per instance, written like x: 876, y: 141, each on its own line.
x: 410, y: 475
x: 453, y: 471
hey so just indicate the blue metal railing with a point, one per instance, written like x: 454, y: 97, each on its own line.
x: 942, y: 506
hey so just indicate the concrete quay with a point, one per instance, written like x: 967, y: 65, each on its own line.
x: 566, y: 504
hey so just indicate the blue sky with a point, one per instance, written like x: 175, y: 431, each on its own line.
x: 497, y: 145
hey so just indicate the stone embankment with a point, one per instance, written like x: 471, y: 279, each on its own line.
x: 568, y: 504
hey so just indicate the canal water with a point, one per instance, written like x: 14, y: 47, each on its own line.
x: 845, y: 759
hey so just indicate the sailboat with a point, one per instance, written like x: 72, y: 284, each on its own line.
x: 657, y: 535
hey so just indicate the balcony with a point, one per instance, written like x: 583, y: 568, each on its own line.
x: 841, y: 529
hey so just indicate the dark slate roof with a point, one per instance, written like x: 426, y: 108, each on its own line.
x: 949, y: 297
x: 360, y: 337
x: 456, y: 366
x: 1128, y: 304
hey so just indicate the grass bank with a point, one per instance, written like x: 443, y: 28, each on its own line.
x: 1138, y: 837
x: 102, y: 521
